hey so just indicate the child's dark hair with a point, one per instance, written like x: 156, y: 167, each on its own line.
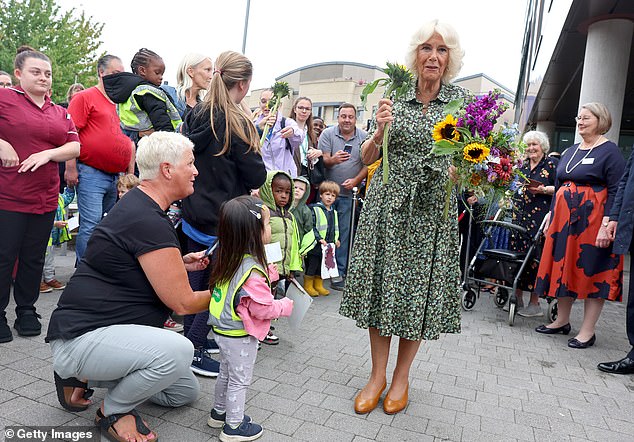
x: 282, y: 177
x: 142, y: 58
x: 239, y: 233
x: 329, y: 186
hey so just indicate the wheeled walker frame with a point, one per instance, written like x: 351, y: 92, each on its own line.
x: 505, y: 267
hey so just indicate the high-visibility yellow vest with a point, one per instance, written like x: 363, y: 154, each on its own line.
x: 134, y: 118
x: 321, y: 225
x: 322, y: 222
x: 222, y: 314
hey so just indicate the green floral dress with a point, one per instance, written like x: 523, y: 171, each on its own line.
x: 404, y: 277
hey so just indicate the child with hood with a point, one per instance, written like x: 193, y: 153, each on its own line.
x: 276, y: 193
x: 301, y: 212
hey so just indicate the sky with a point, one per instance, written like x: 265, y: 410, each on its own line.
x: 284, y: 35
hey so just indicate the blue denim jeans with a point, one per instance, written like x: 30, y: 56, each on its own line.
x: 343, y: 206
x: 96, y: 194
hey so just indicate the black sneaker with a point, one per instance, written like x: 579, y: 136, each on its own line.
x: 246, y: 431
x: 5, y: 331
x: 28, y: 324
x: 217, y: 420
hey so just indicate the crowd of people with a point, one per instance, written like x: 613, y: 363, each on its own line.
x: 177, y: 198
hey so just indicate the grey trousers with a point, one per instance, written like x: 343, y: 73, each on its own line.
x: 134, y: 362
x: 237, y: 358
x: 48, y: 274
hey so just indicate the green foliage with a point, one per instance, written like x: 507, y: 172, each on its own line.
x: 69, y: 38
x: 281, y: 90
x: 454, y: 106
x: 446, y: 147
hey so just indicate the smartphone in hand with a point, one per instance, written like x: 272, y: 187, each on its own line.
x: 347, y: 149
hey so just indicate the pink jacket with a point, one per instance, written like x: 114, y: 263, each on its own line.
x: 257, y: 306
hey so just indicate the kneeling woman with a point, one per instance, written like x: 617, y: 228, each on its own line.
x: 108, y: 325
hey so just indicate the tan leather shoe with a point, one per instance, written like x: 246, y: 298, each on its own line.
x: 365, y: 405
x: 393, y: 406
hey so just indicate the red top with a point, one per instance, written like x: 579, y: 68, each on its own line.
x: 103, y: 144
x: 29, y: 130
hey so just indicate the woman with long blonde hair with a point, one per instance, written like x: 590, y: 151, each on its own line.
x: 192, y: 80
x: 227, y: 156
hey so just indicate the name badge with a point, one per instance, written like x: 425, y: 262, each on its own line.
x: 587, y: 161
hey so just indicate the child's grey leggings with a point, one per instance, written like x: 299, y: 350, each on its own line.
x: 237, y: 358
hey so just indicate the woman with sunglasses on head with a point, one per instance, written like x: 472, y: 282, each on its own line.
x: 577, y: 261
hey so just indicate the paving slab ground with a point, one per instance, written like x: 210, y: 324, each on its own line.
x: 492, y: 382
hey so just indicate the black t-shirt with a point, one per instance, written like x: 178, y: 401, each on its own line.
x: 110, y: 287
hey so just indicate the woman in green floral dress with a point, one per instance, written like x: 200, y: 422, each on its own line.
x: 404, y: 274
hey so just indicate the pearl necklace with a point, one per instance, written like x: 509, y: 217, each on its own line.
x: 570, y: 169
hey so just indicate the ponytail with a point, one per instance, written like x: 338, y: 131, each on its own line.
x: 231, y: 68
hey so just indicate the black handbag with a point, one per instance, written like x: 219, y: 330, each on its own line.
x: 317, y: 172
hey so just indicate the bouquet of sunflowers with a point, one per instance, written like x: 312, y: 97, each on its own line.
x: 487, y: 161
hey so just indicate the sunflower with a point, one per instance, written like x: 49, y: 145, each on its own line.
x: 475, y: 152
x: 446, y: 129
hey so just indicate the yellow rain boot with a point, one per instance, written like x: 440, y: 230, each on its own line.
x: 308, y: 286
x: 319, y: 286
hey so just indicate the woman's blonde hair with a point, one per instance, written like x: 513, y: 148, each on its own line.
x: 452, y: 41
x: 183, y: 80
x: 602, y: 113
x: 229, y: 69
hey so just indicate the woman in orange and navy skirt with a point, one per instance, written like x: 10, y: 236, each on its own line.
x: 577, y: 261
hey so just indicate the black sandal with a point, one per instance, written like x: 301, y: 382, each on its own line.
x: 65, y: 389
x: 105, y: 424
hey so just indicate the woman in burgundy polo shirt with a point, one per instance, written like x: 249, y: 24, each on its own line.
x: 35, y: 135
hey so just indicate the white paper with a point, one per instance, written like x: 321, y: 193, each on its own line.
x: 73, y: 223
x: 273, y: 252
x: 301, y: 303
x: 328, y: 261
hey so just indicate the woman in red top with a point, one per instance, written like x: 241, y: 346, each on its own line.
x: 35, y: 135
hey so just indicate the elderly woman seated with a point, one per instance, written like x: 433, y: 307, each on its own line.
x: 107, y: 329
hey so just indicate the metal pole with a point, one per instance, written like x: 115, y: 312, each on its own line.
x: 246, y: 27
x: 355, y: 191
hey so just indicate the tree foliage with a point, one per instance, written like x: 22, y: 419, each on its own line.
x: 69, y: 38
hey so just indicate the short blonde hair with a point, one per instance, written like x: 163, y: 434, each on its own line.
x: 329, y: 186
x: 602, y: 113
x: 129, y: 181
x: 539, y: 137
x: 449, y: 35
x: 157, y: 148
